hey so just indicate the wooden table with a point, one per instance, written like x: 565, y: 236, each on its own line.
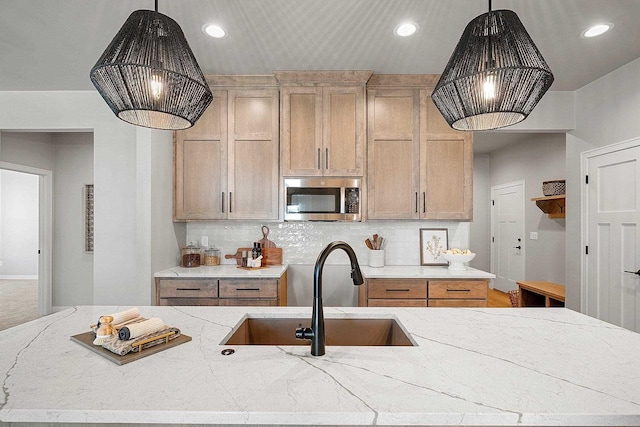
x: 540, y: 294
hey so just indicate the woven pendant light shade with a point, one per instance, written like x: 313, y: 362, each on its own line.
x: 148, y: 75
x: 495, y: 76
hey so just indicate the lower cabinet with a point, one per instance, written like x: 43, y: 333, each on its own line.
x: 423, y: 293
x: 229, y: 292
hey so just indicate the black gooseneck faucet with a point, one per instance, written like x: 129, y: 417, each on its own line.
x: 316, y: 332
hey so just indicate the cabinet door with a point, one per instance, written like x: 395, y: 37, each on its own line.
x: 301, y: 123
x: 253, y: 154
x: 343, y: 131
x: 200, y: 165
x: 447, y: 168
x: 393, y: 154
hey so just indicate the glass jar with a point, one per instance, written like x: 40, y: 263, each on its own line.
x: 212, y: 256
x: 191, y: 256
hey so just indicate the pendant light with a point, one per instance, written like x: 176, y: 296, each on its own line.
x: 495, y: 76
x: 148, y: 75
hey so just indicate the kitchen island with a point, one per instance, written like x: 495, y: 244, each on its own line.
x: 471, y: 366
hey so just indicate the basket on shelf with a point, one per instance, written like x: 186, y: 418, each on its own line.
x: 513, y: 298
x: 554, y: 188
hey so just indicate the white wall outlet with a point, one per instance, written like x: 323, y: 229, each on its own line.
x: 533, y: 235
x: 204, y: 242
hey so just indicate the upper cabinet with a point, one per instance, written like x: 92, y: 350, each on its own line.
x: 227, y: 165
x: 323, y: 122
x: 418, y: 167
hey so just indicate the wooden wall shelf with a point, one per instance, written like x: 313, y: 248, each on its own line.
x: 553, y: 206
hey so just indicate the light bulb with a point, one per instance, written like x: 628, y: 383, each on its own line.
x: 157, y: 85
x: 489, y: 87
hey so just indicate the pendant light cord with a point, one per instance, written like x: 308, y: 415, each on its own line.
x: 157, y: 5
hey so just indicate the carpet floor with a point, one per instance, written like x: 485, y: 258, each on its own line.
x: 18, y: 302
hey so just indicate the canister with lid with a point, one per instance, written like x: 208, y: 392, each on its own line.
x: 212, y: 256
x: 190, y: 256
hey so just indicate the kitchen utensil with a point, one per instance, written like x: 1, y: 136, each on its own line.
x: 376, y: 245
x: 368, y: 243
x: 264, y: 242
x: 270, y: 256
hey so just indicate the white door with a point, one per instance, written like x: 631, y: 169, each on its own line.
x: 613, y: 238
x: 507, y: 235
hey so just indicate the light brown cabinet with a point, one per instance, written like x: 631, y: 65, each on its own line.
x: 227, y: 165
x: 323, y: 123
x: 221, y: 291
x: 423, y: 293
x: 418, y: 167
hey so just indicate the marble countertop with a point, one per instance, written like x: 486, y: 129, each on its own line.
x: 422, y: 272
x: 224, y: 271
x: 529, y: 366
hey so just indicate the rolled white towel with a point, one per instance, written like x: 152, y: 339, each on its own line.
x: 143, y: 328
x: 124, y: 316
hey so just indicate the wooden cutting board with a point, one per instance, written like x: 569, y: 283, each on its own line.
x: 270, y: 256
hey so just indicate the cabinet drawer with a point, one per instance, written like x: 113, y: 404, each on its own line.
x: 188, y: 301
x: 397, y: 302
x: 458, y: 289
x: 396, y: 288
x: 248, y: 302
x: 457, y: 303
x: 241, y: 288
x: 188, y: 288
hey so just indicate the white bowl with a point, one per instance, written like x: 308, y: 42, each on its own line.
x: 456, y: 261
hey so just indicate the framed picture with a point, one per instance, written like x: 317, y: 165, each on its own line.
x: 88, y: 218
x: 433, y: 241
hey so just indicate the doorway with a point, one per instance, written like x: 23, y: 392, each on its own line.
x: 23, y: 239
x: 611, y: 234
x: 507, y: 235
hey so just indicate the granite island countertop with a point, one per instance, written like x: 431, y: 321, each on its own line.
x: 529, y: 366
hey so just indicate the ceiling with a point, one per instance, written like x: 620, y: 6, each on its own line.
x: 52, y: 45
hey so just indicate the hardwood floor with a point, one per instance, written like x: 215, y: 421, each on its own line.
x: 498, y: 299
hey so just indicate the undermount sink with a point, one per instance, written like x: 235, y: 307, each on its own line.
x: 339, y: 332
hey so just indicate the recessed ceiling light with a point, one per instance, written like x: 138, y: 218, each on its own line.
x: 596, y: 30
x: 214, y: 31
x: 406, y: 29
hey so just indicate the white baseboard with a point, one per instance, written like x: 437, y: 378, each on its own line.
x: 19, y: 276
x: 57, y: 308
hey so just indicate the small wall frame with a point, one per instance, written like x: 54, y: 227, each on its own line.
x: 88, y: 217
x: 433, y: 241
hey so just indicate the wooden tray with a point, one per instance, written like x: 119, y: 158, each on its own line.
x: 86, y: 340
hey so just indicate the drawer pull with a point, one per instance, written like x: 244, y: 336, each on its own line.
x: 458, y: 290
x: 248, y: 289
x: 398, y: 290
x: 187, y: 289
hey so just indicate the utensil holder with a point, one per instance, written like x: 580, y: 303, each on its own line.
x: 376, y: 258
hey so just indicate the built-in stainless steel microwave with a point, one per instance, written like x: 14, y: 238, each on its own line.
x: 322, y: 199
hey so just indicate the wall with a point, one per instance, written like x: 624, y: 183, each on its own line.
x: 302, y: 242
x: 72, y: 266
x: 19, y: 225
x: 536, y: 159
x: 480, y: 228
x: 119, y: 169
x: 606, y: 112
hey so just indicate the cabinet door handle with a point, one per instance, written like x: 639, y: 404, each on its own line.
x: 248, y: 289
x: 458, y: 290
x: 326, y: 158
x: 230, y: 202
x: 424, y: 202
x: 319, y: 159
x: 223, y: 202
x: 397, y: 290
x: 187, y: 289
x: 416, y: 202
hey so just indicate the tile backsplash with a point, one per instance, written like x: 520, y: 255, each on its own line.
x: 301, y: 242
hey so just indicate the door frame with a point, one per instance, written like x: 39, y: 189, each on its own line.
x: 492, y: 230
x: 45, y: 232
x: 584, y: 169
